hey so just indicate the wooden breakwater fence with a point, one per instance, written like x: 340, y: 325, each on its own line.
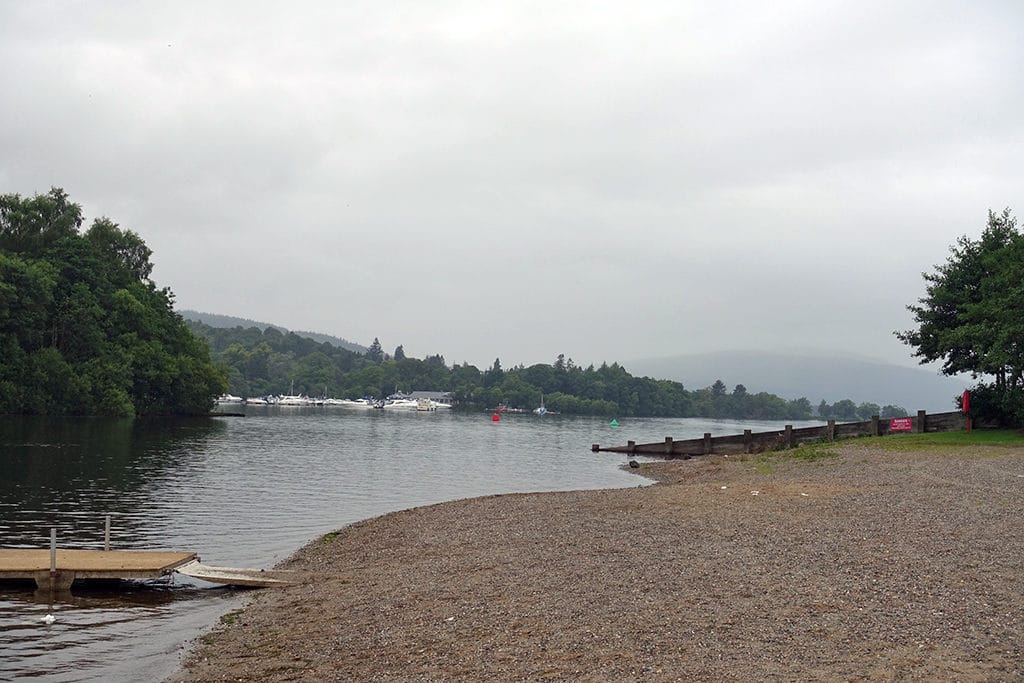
x: 788, y: 437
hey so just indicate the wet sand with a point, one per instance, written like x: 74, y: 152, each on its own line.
x: 870, y: 565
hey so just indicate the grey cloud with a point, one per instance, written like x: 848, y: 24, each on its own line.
x: 524, y: 180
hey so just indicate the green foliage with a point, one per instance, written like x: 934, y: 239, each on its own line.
x: 813, y: 452
x: 955, y: 442
x: 82, y: 328
x: 1002, y: 406
x: 375, y: 352
x: 259, y: 362
x: 972, y: 317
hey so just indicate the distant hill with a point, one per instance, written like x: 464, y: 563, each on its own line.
x: 216, y: 320
x: 794, y: 376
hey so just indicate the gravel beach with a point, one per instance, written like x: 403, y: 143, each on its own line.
x: 867, y: 565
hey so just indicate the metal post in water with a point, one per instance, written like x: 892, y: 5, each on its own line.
x: 53, y: 549
x: 106, y: 534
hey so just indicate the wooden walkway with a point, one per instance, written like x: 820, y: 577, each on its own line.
x: 25, y: 563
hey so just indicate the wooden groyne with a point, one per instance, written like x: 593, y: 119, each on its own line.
x: 788, y: 437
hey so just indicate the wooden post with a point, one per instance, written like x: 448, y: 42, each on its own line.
x: 875, y: 425
x: 830, y: 430
x: 921, y: 417
x: 53, y: 550
x: 747, y: 440
x: 106, y: 534
x: 631, y: 446
x: 707, y: 442
x: 789, y: 436
x: 668, y: 445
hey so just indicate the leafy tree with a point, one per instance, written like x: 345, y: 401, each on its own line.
x: 890, y: 411
x: 845, y: 410
x: 399, y: 353
x: 83, y: 330
x: 495, y: 375
x: 972, y: 315
x: 866, y: 411
x: 31, y: 225
x: 800, y: 409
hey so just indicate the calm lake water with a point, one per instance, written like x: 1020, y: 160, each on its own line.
x: 247, y: 492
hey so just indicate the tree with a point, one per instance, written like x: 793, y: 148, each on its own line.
x: 972, y: 315
x: 399, y: 353
x: 845, y: 410
x: 29, y: 225
x: 495, y: 375
x: 375, y: 353
x: 890, y: 411
x: 865, y: 411
x: 83, y: 330
x: 825, y: 410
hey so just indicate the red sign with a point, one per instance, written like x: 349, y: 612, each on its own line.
x: 965, y: 402
x: 901, y: 424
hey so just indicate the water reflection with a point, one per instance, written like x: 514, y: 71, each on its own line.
x: 68, y: 473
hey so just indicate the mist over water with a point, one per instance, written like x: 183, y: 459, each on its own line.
x: 247, y: 492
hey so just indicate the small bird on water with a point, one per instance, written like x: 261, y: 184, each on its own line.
x: 48, y: 619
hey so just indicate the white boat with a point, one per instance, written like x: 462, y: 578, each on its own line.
x: 294, y: 400
x: 402, y: 404
x: 256, y: 401
x: 541, y: 410
x: 228, y: 398
x: 425, y: 405
x: 360, y: 403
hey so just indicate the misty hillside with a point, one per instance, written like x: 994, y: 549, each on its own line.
x: 816, y: 378
x: 216, y: 320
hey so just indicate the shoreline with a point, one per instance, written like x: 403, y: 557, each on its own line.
x: 870, y: 565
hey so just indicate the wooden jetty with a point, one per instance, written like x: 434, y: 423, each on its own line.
x: 58, y: 569
x: 757, y: 442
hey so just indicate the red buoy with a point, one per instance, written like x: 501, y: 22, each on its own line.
x: 495, y: 418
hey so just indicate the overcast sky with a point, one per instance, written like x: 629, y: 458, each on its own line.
x: 611, y: 181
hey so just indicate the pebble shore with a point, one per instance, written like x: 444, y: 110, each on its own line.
x: 865, y: 566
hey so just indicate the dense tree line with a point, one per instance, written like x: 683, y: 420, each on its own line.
x: 972, y: 318
x: 261, y: 362
x: 83, y: 329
